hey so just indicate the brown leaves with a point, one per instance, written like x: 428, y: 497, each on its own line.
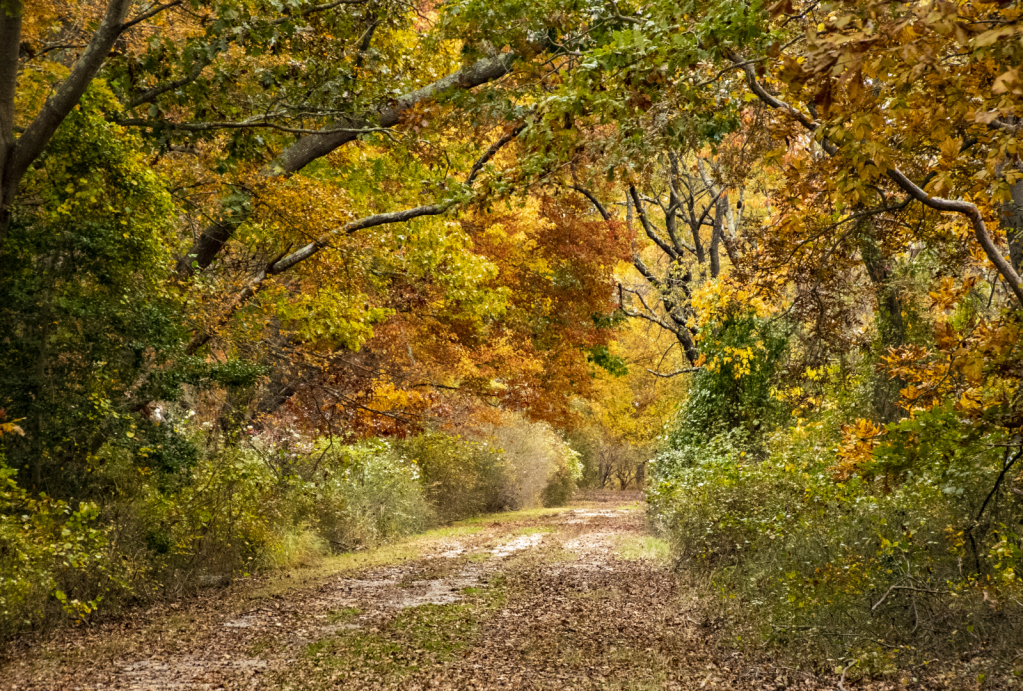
x: 1008, y: 82
x: 781, y: 7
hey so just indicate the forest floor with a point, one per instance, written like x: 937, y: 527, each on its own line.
x: 576, y: 598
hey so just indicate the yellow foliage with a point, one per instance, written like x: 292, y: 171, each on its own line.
x: 857, y: 448
x: 717, y: 299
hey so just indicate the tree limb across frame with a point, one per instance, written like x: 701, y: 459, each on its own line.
x: 344, y: 130
x: 280, y: 265
x: 964, y: 208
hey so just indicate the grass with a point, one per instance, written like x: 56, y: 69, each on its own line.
x: 512, y: 516
x: 644, y: 547
x: 417, y: 638
x: 343, y: 615
x: 285, y: 581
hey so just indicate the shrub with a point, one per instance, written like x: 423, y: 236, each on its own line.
x: 462, y: 478
x: 368, y: 494
x: 54, y: 558
x: 563, y: 481
x: 893, y: 563
x: 177, y: 508
x: 543, y: 468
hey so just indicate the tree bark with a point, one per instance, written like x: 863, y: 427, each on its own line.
x: 10, y: 39
x: 20, y: 153
x: 1012, y: 219
x: 888, y: 313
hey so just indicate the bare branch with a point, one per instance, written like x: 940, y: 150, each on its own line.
x: 593, y: 200
x: 907, y: 587
x: 669, y: 375
x: 150, y: 14
x: 490, y: 152
x: 649, y: 229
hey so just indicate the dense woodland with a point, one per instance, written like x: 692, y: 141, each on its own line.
x: 281, y: 277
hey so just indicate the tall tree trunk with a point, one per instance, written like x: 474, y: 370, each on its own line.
x: 10, y: 40
x: 888, y: 315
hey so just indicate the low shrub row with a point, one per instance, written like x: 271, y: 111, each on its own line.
x: 161, y: 521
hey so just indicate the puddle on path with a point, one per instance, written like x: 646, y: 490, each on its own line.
x: 517, y: 545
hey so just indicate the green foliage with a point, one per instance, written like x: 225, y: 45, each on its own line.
x: 368, y: 494
x: 564, y: 480
x: 462, y: 478
x: 614, y: 365
x: 730, y: 404
x: 53, y: 558
x: 896, y: 560
x: 82, y: 306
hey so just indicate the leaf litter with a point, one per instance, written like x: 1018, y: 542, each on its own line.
x: 542, y: 603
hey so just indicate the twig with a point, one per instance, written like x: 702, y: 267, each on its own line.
x: 668, y: 375
x: 841, y: 682
x: 998, y: 482
x: 150, y: 14
x: 907, y: 587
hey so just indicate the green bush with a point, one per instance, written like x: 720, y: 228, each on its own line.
x: 367, y: 494
x: 563, y: 481
x: 178, y: 508
x: 462, y: 478
x: 893, y: 564
x: 53, y: 558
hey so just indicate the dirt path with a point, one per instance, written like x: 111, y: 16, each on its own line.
x: 577, y: 598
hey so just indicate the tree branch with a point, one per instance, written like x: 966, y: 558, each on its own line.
x: 649, y: 229
x: 153, y: 93
x: 150, y: 14
x: 669, y: 375
x: 967, y: 209
x: 279, y: 266
x: 57, y: 107
x: 906, y: 587
x: 593, y: 200
x: 313, y: 146
x: 243, y: 124
x: 10, y: 40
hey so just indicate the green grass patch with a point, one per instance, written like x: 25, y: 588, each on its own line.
x: 416, y: 639
x: 645, y: 547
x: 345, y: 614
x: 512, y: 516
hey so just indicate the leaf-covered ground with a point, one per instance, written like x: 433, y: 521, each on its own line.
x: 579, y: 598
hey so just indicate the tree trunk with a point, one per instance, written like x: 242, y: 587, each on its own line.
x: 888, y: 314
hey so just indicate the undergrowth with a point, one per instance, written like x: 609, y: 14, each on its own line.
x: 198, y: 510
x: 892, y: 547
